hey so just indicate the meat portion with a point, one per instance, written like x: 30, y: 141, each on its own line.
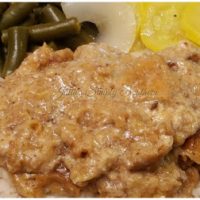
x: 98, y: 120
x: 163, y: 179
x: 191, y: 149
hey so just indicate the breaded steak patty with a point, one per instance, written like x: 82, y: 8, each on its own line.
x: 100, y: 122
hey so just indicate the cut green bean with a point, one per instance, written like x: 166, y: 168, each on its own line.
x: 75, y: 41
x: 52, y: 31
x: 38, y: 12
x: 30, y: 21
x: 15, y: 14
x: 4, y: 36
x: 87, y: 34
x: 49, y: 31
x: 90, y: 28
x: 17, y: 47
x: 26, y: 26
x: 51, y: 13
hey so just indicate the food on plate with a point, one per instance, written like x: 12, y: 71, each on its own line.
x: 15, y: 13
x: 160, y: 24
x: 26, y: 26
x: 191, y: 150
x: 101, y: 122
x: 127, y: 26
x: 51, y: 13
x: 116, y: 22
x: 17, y: 47
x: 99, y: 100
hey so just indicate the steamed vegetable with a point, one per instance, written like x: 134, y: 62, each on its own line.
x: 160, y: 24
x: 127, y: 26
x: 55, y: 30
x: 190, y: 23
x: 50, y: 31
x: 17, y: 46
x: 51, y: 13
x: 16, y: 13
x: 87, y: 34
x: 30, y: 21
x: 25, y: 26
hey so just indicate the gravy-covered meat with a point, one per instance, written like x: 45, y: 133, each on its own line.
x: 98, y: 117
x: 189, y: 153
x: 165, y: 178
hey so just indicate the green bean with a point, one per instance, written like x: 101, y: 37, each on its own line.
x: 15, y: 14
x: 17, y: 47
x: 49, y: 31
x: 55, y: 30
x: 3, y: 7
x: 5, y: 50
x: 90, y: 28
x: 4, y: 36
x: 51, y: 13
x: 30, y: 21
x: 87, y: 34
x: 38, y: 12
x: 75, y: 41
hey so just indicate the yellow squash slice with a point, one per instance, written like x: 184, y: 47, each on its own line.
x: 160, y: 24
x: 190, y: 22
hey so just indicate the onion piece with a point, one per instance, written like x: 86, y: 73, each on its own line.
x: 116, y: 22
